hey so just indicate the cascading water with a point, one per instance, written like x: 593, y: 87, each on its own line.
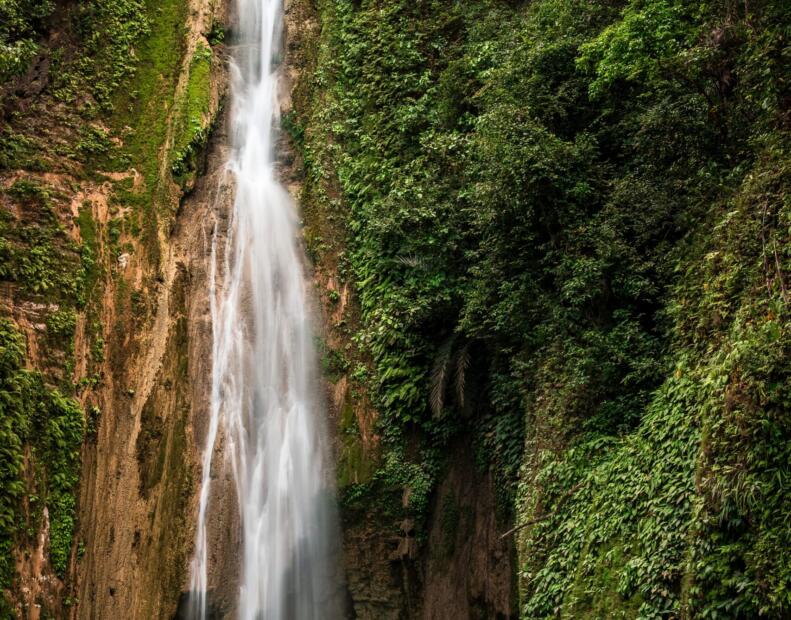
x: 264, y: 409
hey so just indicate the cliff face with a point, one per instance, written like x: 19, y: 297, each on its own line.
x: 109, y: 126
x: 112, y: 156
x: 138, y: 488
x: 139, y: 483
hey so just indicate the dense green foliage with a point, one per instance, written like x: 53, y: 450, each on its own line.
x: 42, y: 429
x: 53, y: 426
x: 106, y: 32
x: 567, y: 224
x: 36, y: 252
x: 568, y: 228
x: 21, y: 25
x: 76, y: 58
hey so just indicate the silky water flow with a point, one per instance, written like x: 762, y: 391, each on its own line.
x: 266, y: 419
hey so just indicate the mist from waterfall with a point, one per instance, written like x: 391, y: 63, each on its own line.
x: 265, y: 415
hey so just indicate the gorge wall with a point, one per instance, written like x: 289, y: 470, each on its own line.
x: 106, y: 132
x: 550, y: 252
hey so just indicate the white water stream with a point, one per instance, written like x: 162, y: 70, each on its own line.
x: 265, y: 416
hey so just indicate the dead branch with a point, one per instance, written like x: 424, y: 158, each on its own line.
x: 562, y: 499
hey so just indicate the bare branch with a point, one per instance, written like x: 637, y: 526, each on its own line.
x: 562, y: 499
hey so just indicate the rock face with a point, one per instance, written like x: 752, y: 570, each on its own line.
x: 468, y: 565
x: 138, y: 487
x: 139, y: 356
x: 138, y: 492
x: 464, y: 569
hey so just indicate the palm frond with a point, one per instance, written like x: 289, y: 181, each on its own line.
x: 439, y: 376
x: 462, y: 364
x: 410, y: 261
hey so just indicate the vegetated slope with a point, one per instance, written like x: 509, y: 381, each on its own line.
x: 98, y: 142
x: 567, y: 225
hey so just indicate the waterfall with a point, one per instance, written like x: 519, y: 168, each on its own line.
x: 265, y: 415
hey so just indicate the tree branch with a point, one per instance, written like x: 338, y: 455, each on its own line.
x: 562, y: 499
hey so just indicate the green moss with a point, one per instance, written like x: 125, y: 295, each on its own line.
x: 596, y: 591
x: 355, y: 464
x: 145, y: 103
x: 142, y: 111
x: 194, y: 124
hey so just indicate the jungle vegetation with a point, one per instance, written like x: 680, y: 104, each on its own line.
x: 568, y: 226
